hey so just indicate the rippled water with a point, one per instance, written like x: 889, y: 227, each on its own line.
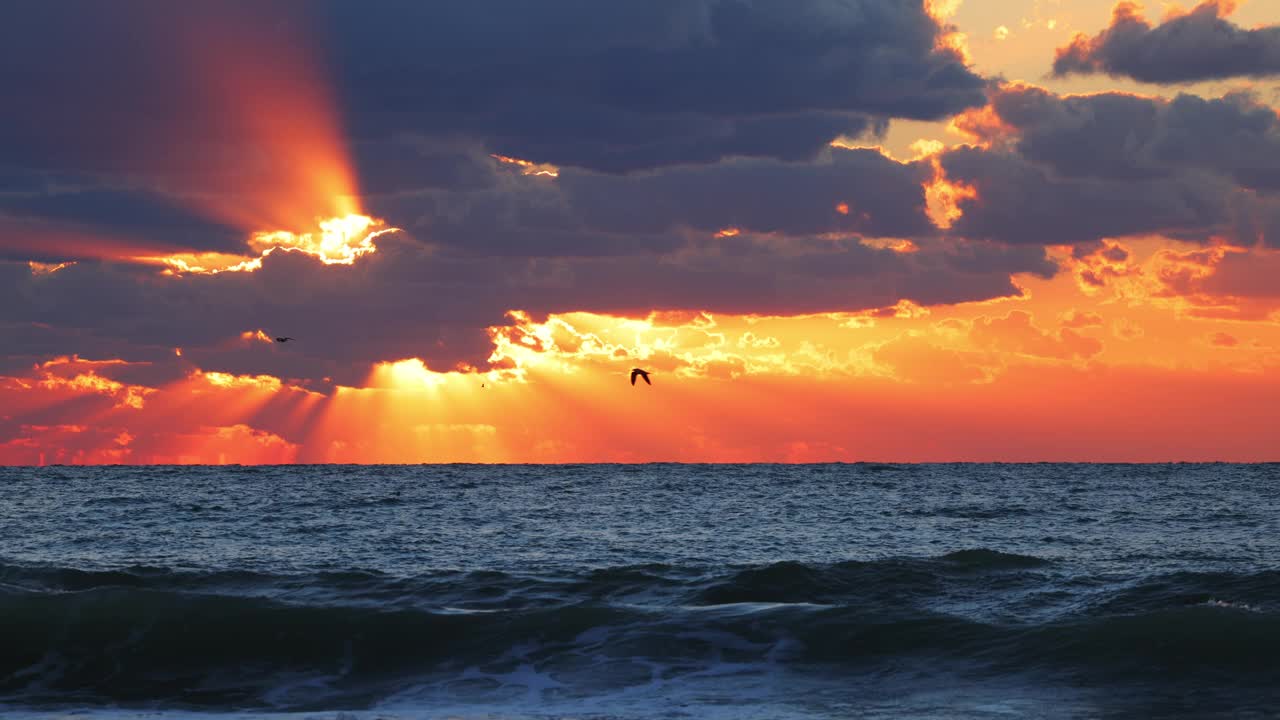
x: 648, y: 591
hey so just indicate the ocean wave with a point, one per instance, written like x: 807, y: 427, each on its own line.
x: 238, y: 639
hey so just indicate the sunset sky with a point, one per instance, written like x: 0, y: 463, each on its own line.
x: 833, y: 230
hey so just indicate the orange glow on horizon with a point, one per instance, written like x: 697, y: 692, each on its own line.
x: 905, y: 382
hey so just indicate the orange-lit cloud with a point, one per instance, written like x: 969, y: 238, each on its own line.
x: 944, y: 197
x: 340, y: 241
x: 1015, y: 333
x: 791, y: 366
x: 529, y: 168
x: 899, y: 245
x: 1188, y: 45
x: 1220, y: 281
x: 858, y: 386
x: 982, y: 126
x: 950, y: 39
x: 39, y: 268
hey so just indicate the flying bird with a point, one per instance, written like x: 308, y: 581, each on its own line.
x: 642, y: 373
x: 283, y: 339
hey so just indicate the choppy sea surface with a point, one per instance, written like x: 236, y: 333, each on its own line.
x: 640, y: 592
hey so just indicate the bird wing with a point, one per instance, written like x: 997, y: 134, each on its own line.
x: 646, y: 378
x: 634, y: 373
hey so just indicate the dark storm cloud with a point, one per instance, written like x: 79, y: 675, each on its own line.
x: 1022, y: 202
x: 612, y: 86
x: 143, y: 217
x: 1199, y: 45
x: 669, y: 121
x: 1078, y: 169
x: 642, y: 83
x: 414, y: 163
x: 883, y: 197
x: 1118, y: 136
x: 584, y: 213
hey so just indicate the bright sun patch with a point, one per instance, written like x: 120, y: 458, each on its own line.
x: 340, y: 241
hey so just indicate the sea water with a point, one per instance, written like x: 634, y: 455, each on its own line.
x: 640, y: 591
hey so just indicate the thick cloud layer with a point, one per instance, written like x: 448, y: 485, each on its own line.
x: 694, y: 172
x: 1200, y: 45
x: 584, y: 213
x: 642, y: 83
x: 612, y: 86
x: 1118, y: 136
x: 1077, y: 169
x: 408, y: 300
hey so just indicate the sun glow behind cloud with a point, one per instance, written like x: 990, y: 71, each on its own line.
x: 975, y: 381
x: 264, y: 84
x: 291, y: 184
x: 1169, y: 328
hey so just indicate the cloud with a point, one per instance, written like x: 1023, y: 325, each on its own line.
x: 1015, y: 333
x: 636, y: 216
x: 1077, y: 320
x: 97, y: 213
x: 409, y: 299
x: 1020, y: 202
x: 1220, y: 282
x: 584, y: 213
x: 113, y: 444
x: 621, y: 86
x: 1199, y: 45
x: 1074, y: 170
x: 1221, y: 339
x: 612, y: 87
x: 1118, y: 136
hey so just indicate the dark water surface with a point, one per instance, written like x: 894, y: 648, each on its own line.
x: 637, y: 592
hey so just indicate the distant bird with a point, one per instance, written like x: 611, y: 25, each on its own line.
x: 642, y: 373
x: 283, y: 339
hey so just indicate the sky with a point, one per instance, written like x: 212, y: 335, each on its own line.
x: 832, y: 230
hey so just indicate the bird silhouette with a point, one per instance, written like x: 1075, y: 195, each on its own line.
x: 642, y: 373
x: 283, y: 339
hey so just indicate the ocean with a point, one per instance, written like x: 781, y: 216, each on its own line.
x: 636, y: 592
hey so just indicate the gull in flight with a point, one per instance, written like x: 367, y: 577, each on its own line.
x: 283, y: 339
x: 642, y: 373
